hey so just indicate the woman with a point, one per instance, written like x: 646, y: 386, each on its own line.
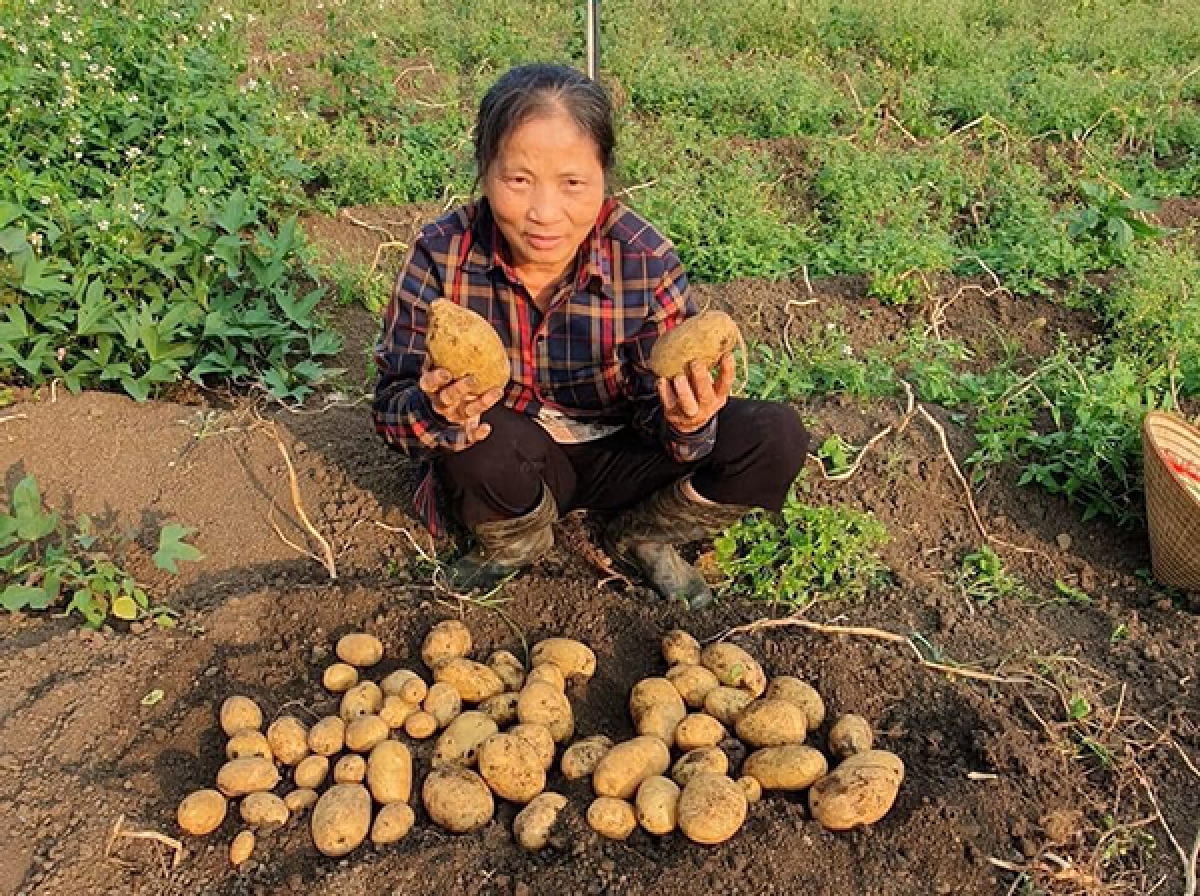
x: 579, y: 288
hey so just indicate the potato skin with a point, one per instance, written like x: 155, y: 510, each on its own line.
x: 859, y: 791
x: 465, y: 344
x: 510, y: 669
x: 202, y: 812
x: 239, y: 714
x: 341, y: 819
x: 791, y: 767
x: 680, y: 649
x: 803, y: 694
x: 623, y: 768
x: 501, y: 709
x: 339, y: 678
x: 359, y: 649
x: 573, y: 658
x: 420, y: 725
x: 712, y: 808
x: 395, y: 711
x: 457, y: 799
x: 459, y: 743
x: 327, y: 736
x: 706, y: 760
x: 364, y: 732
x: 771, y: 723
x: 734, y: 668
x: 657, y: 805
x: 703, y: 337
x: 540, y: 738
x: 611, y: 818
x: 300, y: 800
x: 533, y: 824
x: 656, y: 708
x: 264, y: 810
x: 390, y: 772
x: 751, y: 788
x: 405, y: 684
x: 447, y: 640
x: 248, y: 743
x: 350, y: 770
x: 693, y: 682
x: 542, y: 704
x: 698, y: 730
x: 239, y: 777
x: 580, y: 759
x: 310, y: 773
x: 288, y: 738
x: 548, y: 674
x: 512, y: 767
x: 392, y: 824
x: 241, y: 848
x: 474, y: 681
x: 443, y: 703
x: 726, y: 704
x: 364, y: 699
x: 850, y: 734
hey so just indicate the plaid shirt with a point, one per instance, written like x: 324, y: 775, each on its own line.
x: 585, y: 357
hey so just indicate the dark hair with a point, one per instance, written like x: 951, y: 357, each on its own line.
x: 527, y: 91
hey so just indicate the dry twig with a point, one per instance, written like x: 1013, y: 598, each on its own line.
x: 294, y: 485
x: 118, y: 832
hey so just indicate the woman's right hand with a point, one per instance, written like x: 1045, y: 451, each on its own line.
x: 458, y: 401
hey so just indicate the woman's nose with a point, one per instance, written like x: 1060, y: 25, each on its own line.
x: 543, y: 205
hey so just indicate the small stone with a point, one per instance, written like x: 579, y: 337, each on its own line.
x: 1064, y: 541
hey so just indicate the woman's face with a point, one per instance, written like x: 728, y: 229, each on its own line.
x: 545, y: 187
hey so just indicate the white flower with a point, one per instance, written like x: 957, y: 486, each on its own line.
x: 22, y: 49
x: 75, y: 140
x: 132, y: 153
x: 103, y: 225
x: 66, y: 37
x: 847, y: 350
x: 45, y: 200
x: 209, y: 259
x: 35, y: 240
x: 133, y: 98
x: 187, y: 142
x: 78, y: 156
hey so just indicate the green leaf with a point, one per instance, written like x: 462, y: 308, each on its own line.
x: 172, y: 549
x: 32, y: 523
x: 20, y: 597
x: 1079, y: 708
x: 155, y: 696
x: 124, y: 607
x: 12, y: 241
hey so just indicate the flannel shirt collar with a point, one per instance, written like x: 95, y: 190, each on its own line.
x: 488, y: 250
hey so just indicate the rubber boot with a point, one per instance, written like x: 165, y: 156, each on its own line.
x: 644, y: 538
x: 505, y: 547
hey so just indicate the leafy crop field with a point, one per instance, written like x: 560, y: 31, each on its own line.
x: 961, y: 236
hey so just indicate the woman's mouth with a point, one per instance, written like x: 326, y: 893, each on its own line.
x: 543, y: 242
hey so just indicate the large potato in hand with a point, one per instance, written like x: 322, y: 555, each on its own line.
x: 457, y: 799
x: 341, y: 819
x: 463, y: 343
x: 202, y: 812
x: 859, y: 791
x: 704, y: 337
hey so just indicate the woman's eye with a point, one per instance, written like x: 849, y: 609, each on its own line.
x: 576, y: 184
x: 518, y: 181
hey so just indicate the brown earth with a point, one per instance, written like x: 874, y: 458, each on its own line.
x: 995, y: 770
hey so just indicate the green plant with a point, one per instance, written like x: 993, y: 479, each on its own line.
x: 983, y: 577
x: 44, y: 563
x: 1112, y: 220
x: 824, y: 363
x: 808, y: 553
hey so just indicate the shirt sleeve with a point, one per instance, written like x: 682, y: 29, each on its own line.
x: 403, y: 414
x: 670, y: 305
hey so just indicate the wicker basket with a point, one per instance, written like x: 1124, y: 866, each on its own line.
x: 1172, y: 452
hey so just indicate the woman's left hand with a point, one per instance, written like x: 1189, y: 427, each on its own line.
x: 691, y: 400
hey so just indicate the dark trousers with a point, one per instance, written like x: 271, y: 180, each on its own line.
x: 760, y: 449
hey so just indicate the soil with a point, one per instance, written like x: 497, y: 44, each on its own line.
x: 1022, y: 773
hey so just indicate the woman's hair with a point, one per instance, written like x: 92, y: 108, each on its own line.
x: 527, y: 91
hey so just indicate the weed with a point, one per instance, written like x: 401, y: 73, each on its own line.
x: 982, y: 576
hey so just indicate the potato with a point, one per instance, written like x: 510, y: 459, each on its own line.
x: 341, y: 819
x: 395, y: 711
x: 443, y: 703
x: 706, y: 760
x: 457, y: 799
x: 703, y: 337
x: 300, y: 800
x: 390, y: 772
x: 512, y: 767
x: 364, y: 699
x: 510, y: 669
x: 420, y: 725
x: 264, y: 810
x: 465, y: 344
x: 350, y: 769
x: 751, y: 788
x: 611, y: 818
x: 339, y: 678
x: 202, y: 812
x: 240, y: 714
x: 288, y: 739
x: 790, y: 767
x: 364, y: 732
x: 573, y: 658
x: 548, y: 674
x: 239, y: 777
x: 542, y: 704
x: 311, y: 772
x: 446, y: 641
x: 734, y: 668
x: 392, y: 824
x: 726, y: 704
x: 533, y: 824
x: 623, y: 768
x: 241, y: 847
x: 474, y: 681
x: 657, y: 805
x: 459, y: 743
x: 698, y: 730
x: 359, y: 649
x: 247, y: 744
x: 657, y: 708
x: 859, y: 791
x: 803, y: 694
x: 405, y: 684
x: 328, y: 736
x: 694, y: 683
x: 501, y: 709
x: 581, y: 757
x: 680, y: 649
x: 540, y: 739
x: 711, y: 809
x: 850, y: 735
x: 771, y: 723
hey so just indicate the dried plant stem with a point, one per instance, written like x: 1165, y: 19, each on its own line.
x: 367, y: 225
x: 119, y: 832
x: 1188, y: 860
x: 294, y: 485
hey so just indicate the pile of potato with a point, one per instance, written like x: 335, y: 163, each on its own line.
x: 714, y: 705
